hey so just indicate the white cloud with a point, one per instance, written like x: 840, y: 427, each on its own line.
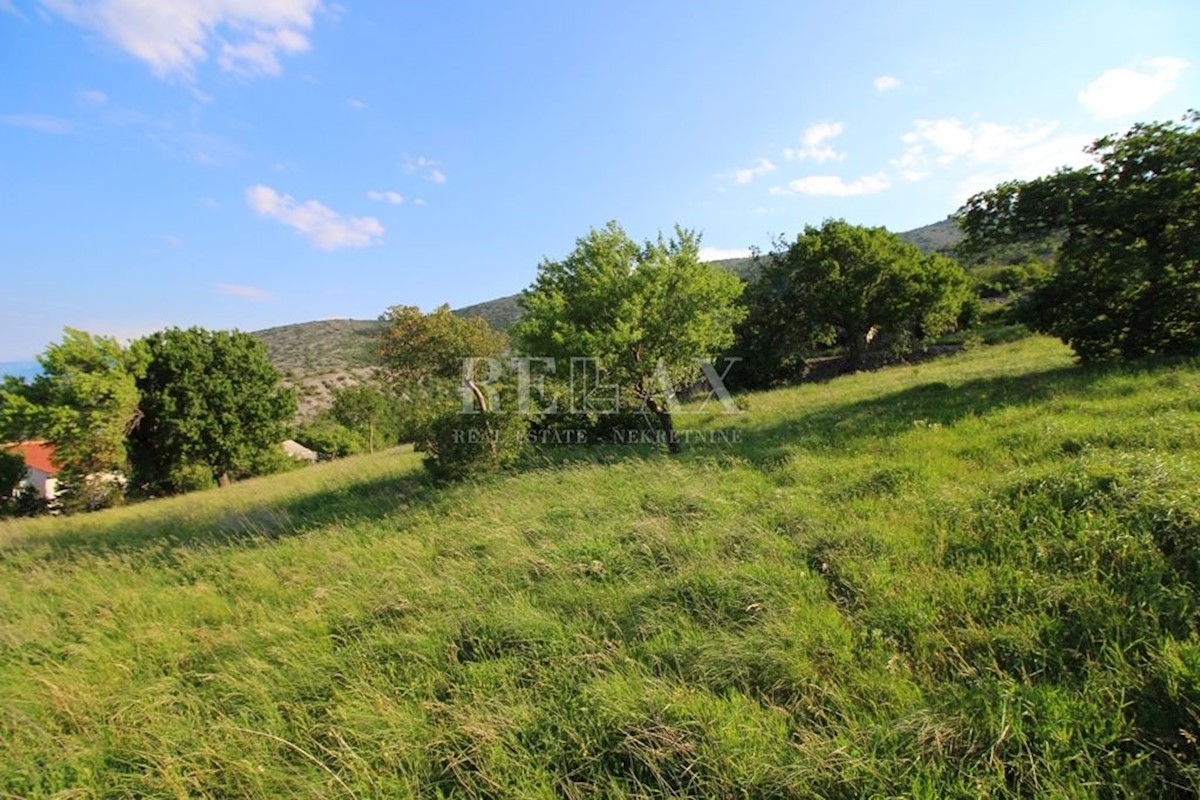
x: 944, y: 141
x: 835, y: 186
x: 324, y: 227
x: 1123, y: 92
x: 395, y: 198
x: 431, y: 168
x: 6, y: 6
x: 434, y: 173
x: 172, y: 240
x: 356, y: 104
x: 245, y: 292
x: 761, y: 167
x: 723, y: 253
x: 885, y: 83
x: 93, y: 98
x: 420, y: 201
x: 173, y: 37
x: 814, y: 144
x: 37, y: 122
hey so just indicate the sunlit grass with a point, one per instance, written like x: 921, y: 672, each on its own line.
x: 971, y: 577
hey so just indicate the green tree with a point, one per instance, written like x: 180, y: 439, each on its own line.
x: 1127, y: 278
x: 423, y: 354
x: 367, y: 409
x: 426, y: 358
x: 12, y: 472
x: 850, y: 284
x: 84, y: 402
x: 647, y: 314
x: 208, y: 398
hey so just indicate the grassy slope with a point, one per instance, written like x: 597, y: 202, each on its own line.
x: 972, y: 577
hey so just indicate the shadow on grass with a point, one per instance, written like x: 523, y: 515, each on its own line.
x: 196, y: 526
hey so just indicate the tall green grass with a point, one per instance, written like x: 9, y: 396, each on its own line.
x: 972, y: 577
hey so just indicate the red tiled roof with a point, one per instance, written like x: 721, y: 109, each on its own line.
x: 38, y: 455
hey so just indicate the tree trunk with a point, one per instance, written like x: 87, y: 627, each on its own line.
x: 223, y: 479
x: 668, y: 425
x: 371, y: 436
x: 858, y: 350
x: 481, y: 401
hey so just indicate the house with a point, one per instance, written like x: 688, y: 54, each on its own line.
x: 40, y: 470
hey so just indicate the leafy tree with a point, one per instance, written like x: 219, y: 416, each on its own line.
x: 12, y: 472
x: 423, y: 354
x: 851, y: 284
x: 646, y: 313
x: 425, y: 358
x: 1127, y: 282
x: 84, y: 402
x: 208, y: 398
x: 367, y: 409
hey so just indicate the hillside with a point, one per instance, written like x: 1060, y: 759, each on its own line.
x: 312, y: 348
x: 971, y: 577
x: 937, y: 237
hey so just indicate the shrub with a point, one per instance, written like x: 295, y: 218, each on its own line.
x: 459, y: 445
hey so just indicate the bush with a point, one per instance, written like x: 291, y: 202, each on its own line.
x: 330, y: 439
x: 192, y: 477
x: 460, y: 445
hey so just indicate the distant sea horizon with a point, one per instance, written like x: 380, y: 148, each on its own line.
x: 20, y: 369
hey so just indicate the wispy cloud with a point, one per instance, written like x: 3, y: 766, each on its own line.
x: 7, y: 7
x: 93, y: 98
x: 886, y: 83
x: 245, y: 292
x: 395, y: 198
x: 762, y: 166
x: 248, y: 37
x: 835, y: 186
x: 723, y: 253
x: 321, y: 225
x: 1003, y: 151
x: 37, y: 122
x: 1125, y: 91
x: 814, y: 144
x: 427, y: 166
x: 356, y: 104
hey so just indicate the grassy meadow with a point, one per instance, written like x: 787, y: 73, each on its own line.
x: 972, y: 577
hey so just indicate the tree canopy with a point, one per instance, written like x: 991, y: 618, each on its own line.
x: 850, y: 284
x: 1127, y: 278
x: 209, y: 399
x: 645, y: 313
x: 84, y: 402
x: 426, y: 358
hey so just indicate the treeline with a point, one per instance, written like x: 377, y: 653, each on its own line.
x: 616, y: 332
x: 175, y: 411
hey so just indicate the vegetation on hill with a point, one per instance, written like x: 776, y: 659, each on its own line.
x: 945, y: 580
x: 937, y: 237
x: 324, y: 346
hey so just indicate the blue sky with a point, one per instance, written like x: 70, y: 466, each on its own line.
x: 249, y: 163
